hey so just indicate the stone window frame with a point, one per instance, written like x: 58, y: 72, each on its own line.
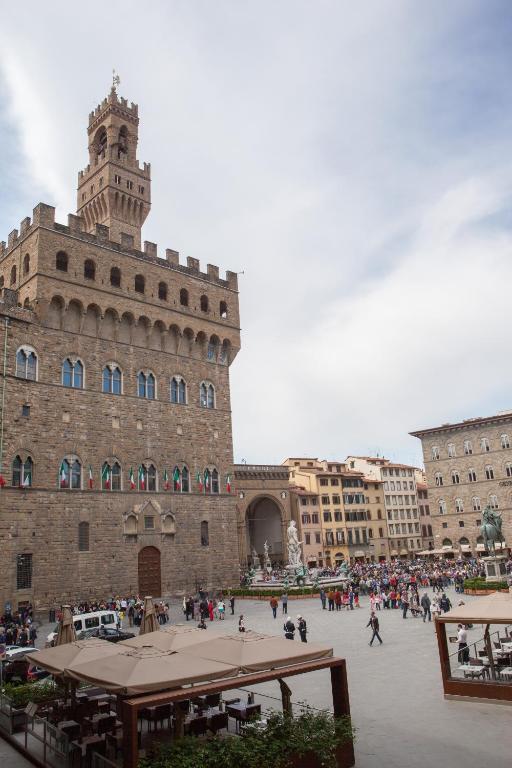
x: 111, y: 462
x: 477, y: 504
x: 20, y: 468
x: 505, y: 441
x: 146, y: 466
x: 438, y: 479
x: 62, y: 261
x: 489, y: 472
x: 146, y: 373
x: 179, y: 379
x: 84, y: 543
x: 180, y: 466
x: 459, y: 505
x: 204, y: 399
x: 27, y: 350
x: 90, y: 270
x: 73, y: 360
x: 70, y: 459
x: 493, y: 501
x: 26, y: 264
x: 111, y: 366
x: 485, y: 445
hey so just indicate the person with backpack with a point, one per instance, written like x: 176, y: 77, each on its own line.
x: 289, y: 629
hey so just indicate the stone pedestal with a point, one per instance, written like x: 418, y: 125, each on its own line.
x: 495, y: 568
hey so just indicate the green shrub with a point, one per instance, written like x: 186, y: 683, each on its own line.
x: 21, y: 695
x: 480, y: 583
x: 271, y: 747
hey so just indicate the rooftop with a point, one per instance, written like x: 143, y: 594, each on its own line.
x: 501, y: 417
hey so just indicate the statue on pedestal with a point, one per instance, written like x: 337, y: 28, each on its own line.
x: 255, y: 560
x: 491, y: 528
x: 266, y: 560
x: 294, y: 545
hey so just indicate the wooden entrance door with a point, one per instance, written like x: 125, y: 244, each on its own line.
x: 150, y: 577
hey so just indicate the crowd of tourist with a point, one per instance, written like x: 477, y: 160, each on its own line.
x: 18, y: 628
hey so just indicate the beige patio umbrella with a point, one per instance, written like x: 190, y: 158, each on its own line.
x: 66, y: 632
x: 141, y: 670
x: 168, y: 638
x: 254, y: 652
x: 149, y: 622
x: 55, y: 660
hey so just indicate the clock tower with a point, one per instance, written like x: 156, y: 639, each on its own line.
x: 114, y: 190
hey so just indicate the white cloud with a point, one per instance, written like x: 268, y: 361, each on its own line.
x: 348, y: 158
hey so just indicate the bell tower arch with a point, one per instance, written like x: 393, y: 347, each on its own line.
x: 114, y: 190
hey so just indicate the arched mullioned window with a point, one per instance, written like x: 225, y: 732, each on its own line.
x: 181, y: 479
x: 211, y: 480
x: 111, y: 476
x: 207, y: 395
x: 73, y: 374
x: 147, y: 477
x: 184, y: 297
x: 22, y: 472
x: 112, y: 379
x: 203, y: 303
x: 447, y: 542
x: 61, y: 261
x: 115, y: 277
x: 146, y: 385
x: 477, y: 505
x: 26, y: 363
x: 493, y: 501
x: 178, y: 390
x: 140, y: 284
x: 505, y: 441
x: 70, y: 473
x: 26, y: 264
x: 223, y: 310
x: 162, y: 291
x: 89, y: 269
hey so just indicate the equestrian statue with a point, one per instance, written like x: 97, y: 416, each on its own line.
x: 491, y: 529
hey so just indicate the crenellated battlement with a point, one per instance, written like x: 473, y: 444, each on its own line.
x: 115, y: 102
x: 44, y: 216
x: 144, y: 169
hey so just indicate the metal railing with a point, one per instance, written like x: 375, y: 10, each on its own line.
x: 489, y: 669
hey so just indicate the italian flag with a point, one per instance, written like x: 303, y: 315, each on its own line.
x: 2, y: 481
x: 26, y: 480
x: 142, y: 479
x: 228, y: 484
x: 206, y: 480
x: 105, y: 476
x: 176, y: 479
x: 132, y: 479
x: 90, y: 478
x: 199, y: 480
x: 62, y: 476
x: 166, y: 480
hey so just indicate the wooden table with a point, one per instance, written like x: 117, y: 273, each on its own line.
x: 242, y: 712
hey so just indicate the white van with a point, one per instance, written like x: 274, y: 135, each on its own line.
x: 87, y: 621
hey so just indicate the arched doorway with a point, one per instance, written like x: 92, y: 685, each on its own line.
x: 150, y: 577
x: 263, y: 522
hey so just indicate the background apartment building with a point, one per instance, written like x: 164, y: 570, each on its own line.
x: 341, y: 510
x: 400, y: 502
x: 468, y: 467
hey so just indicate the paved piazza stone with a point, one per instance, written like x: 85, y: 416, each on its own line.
x: 396, y: 695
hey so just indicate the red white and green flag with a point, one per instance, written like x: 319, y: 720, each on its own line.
x: 91, y: 482
x: 228, y: 483
x: 176, y: 479
x: 206, y: 480
x: 142, y: 479
x: 132, y: 479
x: 199, y: 481
x: 166, y: 480
x: 105, y: 476
x: 26, y: 479
x: 62, y: 476
x: 2, y: 481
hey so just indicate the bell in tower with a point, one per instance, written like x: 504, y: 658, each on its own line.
x: 114, y: 190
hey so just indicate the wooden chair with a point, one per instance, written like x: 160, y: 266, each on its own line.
x: 197, y: 727
x: 219, y: 722
x: 212, y: 699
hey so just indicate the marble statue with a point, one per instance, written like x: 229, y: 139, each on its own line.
x: 294, y: 545
x: 267, y: 564
x: 255, y: 560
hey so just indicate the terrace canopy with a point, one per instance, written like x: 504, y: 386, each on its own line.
x: 492, y: 609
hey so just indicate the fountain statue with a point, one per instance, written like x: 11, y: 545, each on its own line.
x: 294, y: 545
x: 266, y: 559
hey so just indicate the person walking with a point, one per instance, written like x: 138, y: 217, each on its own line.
x: 405, y: 603
x: 284, y: 602
x: 330, y: 598
x: 445, y: 603
x: 232, y: 604
x: 221, y: 609
x: 323, y: 598
x: 302, y: 627
x: 274, y: 604
x: 289, y: 629
x: 374, y: 624
x: 425, y: 604
x: 241, y: 623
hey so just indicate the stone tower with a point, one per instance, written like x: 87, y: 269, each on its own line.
x: 114, y: 190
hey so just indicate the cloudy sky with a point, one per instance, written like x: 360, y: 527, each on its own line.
x: 352, y: 159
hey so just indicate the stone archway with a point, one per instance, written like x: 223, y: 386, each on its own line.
x: 264, y: 522
x: 150, y: 574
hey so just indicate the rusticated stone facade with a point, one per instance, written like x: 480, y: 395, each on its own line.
x: 83, y: 293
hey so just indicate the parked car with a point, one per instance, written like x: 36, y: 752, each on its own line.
x: 14, y: 651
x: 111, y: 634
x: 20, y: 670
x: 84, y: 622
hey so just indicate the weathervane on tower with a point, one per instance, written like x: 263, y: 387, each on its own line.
x: 116, y: 80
